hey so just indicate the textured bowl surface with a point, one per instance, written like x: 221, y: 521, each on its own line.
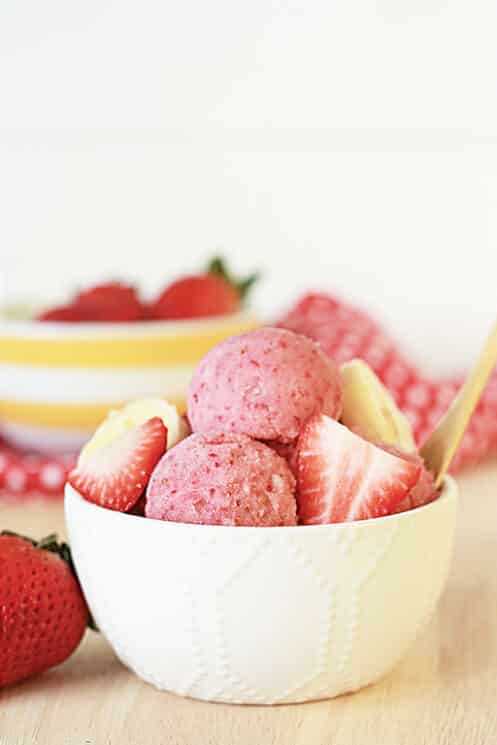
x: 58, y: 381
x: 261, y: 615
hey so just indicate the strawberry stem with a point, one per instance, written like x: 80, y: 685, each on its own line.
x: 217, y: 267
x: 63, y: 550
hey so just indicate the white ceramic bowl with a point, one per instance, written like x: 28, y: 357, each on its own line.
x: 261, y: 615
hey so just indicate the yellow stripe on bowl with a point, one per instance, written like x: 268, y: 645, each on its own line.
x: 70, y: 416
x: 90, y: 347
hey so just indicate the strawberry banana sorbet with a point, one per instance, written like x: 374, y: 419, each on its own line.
x: 222, y: 480
x: 267, y: 447
x: 265, y: 384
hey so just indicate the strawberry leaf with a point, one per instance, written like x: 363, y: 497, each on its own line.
x: 217, y: 267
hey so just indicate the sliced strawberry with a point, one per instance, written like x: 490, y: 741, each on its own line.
x: 424, y: 491
x: 113, y: 301
x: 63, y: 314
x: 115, y: 476
x: 342, y: 477
x: 139, y: 508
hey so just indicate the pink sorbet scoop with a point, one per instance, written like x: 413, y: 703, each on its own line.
x: 222, y: 480
x: 264, y: 384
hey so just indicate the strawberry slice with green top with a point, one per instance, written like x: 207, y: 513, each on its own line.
x: 116, y: 475
x: 342, y: 477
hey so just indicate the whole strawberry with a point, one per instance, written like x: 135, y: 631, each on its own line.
x: 63, y: 314
x: 212, y: 293
x: 43, y: 614
x: 111, y: 302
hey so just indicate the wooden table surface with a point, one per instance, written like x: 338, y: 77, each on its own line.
x: 444, y: 692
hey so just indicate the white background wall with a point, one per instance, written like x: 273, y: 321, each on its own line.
x: 347, y: 144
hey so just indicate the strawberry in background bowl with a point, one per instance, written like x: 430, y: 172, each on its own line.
x: 214, y: 292
x: 113, y: 302
x: 64, y: 368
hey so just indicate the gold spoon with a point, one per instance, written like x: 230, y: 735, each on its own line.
x: 441, y: 446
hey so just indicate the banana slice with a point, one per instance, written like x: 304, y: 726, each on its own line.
x: 132, y: 415
x: 370, y: 409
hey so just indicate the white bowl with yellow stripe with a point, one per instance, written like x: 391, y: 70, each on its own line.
x: 59, y: 380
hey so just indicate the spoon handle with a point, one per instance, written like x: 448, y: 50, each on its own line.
x: 441, y: 446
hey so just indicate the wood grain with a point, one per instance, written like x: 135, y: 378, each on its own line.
x: 445, y: 691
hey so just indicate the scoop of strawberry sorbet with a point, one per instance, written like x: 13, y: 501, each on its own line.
x: 265, y: 384
x: 222, y: 480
